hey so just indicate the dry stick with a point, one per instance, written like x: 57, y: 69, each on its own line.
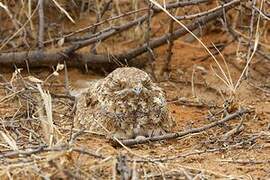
x: 52, y: 57
x: 251, y: 28
x: 150, y: 53
x: 130, y: 142
x: 250, y: 34
x: 43, y: 149
x: 245, y: 162
x: 41, y: 24
x: 167, y: 67
x: 263, y: 14
x: 192, y: 82
x: 193, y: 16
x: 98, y: 17
x: 263, y: 54
x: 184, y: 101
x: 233, y: 131
x: 180, y: 4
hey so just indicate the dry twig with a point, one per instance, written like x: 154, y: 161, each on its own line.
x: 130, y: 142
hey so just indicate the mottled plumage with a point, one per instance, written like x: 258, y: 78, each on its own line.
x: 126, y: 103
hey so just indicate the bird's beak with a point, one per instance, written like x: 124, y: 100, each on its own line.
x: 137, y: 90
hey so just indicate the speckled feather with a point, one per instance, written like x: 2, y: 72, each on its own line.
x: 126, y: 103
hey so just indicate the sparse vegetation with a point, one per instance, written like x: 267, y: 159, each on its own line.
x: 211, y: 58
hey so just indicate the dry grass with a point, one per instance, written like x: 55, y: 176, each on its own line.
x: 37, y: 138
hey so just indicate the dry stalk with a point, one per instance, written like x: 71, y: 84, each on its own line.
x: 47, y: 123
x: 63, y: 10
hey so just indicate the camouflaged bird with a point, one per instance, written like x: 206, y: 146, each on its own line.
x: 126, y: 103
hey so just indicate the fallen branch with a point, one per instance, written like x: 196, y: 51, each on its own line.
x: 44, y: 149
x: 130, y: 142
x: 50, y: 57
x: 47, y: 58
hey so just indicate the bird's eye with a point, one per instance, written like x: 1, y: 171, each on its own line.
x: 146, y: 83
x: 117, y: 84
